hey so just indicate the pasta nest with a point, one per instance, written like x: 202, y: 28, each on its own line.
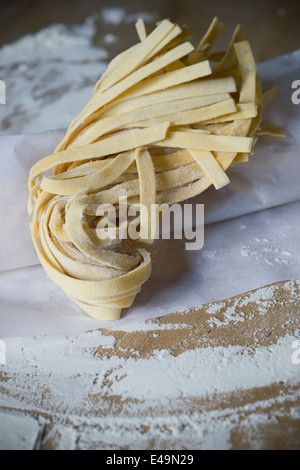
x: 165, y: 122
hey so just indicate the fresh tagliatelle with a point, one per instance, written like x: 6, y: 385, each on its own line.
x: 165, y: 122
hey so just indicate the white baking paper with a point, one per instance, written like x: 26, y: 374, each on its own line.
x: 251, y: 233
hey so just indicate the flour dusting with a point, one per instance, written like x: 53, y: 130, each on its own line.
x: 266, y: 250
x: 117, y: 15
x: 133, y: 389
x: 49, y: 77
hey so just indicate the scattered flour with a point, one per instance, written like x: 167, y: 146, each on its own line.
x: 230, y: 315
x: 263, y: 298
x: 147, y: 16
x: 61, y: 375
x: 190, y: 374
x: 49, y: 77
x: 65, y: 376
x: 151, y: 326
x: 113, y: 16
x: 265, y: 250
x: 209, y: 254
x: 197, y: 372
x: 116, y: 16
x: 110, y: 39
x: 16, y: 429
x: 61, y: 437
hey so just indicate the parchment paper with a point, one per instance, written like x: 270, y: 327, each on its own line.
x: 251, y: 233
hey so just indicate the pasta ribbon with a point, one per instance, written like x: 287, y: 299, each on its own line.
x: 165, y: 122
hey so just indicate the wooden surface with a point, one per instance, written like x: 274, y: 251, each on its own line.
x: 272, y: 26
x: 64, y: 391
x: 36, y: 403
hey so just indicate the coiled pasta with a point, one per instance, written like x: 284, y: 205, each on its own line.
x: 165, y: 122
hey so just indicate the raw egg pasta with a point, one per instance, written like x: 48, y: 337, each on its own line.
x: 165, y: 122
